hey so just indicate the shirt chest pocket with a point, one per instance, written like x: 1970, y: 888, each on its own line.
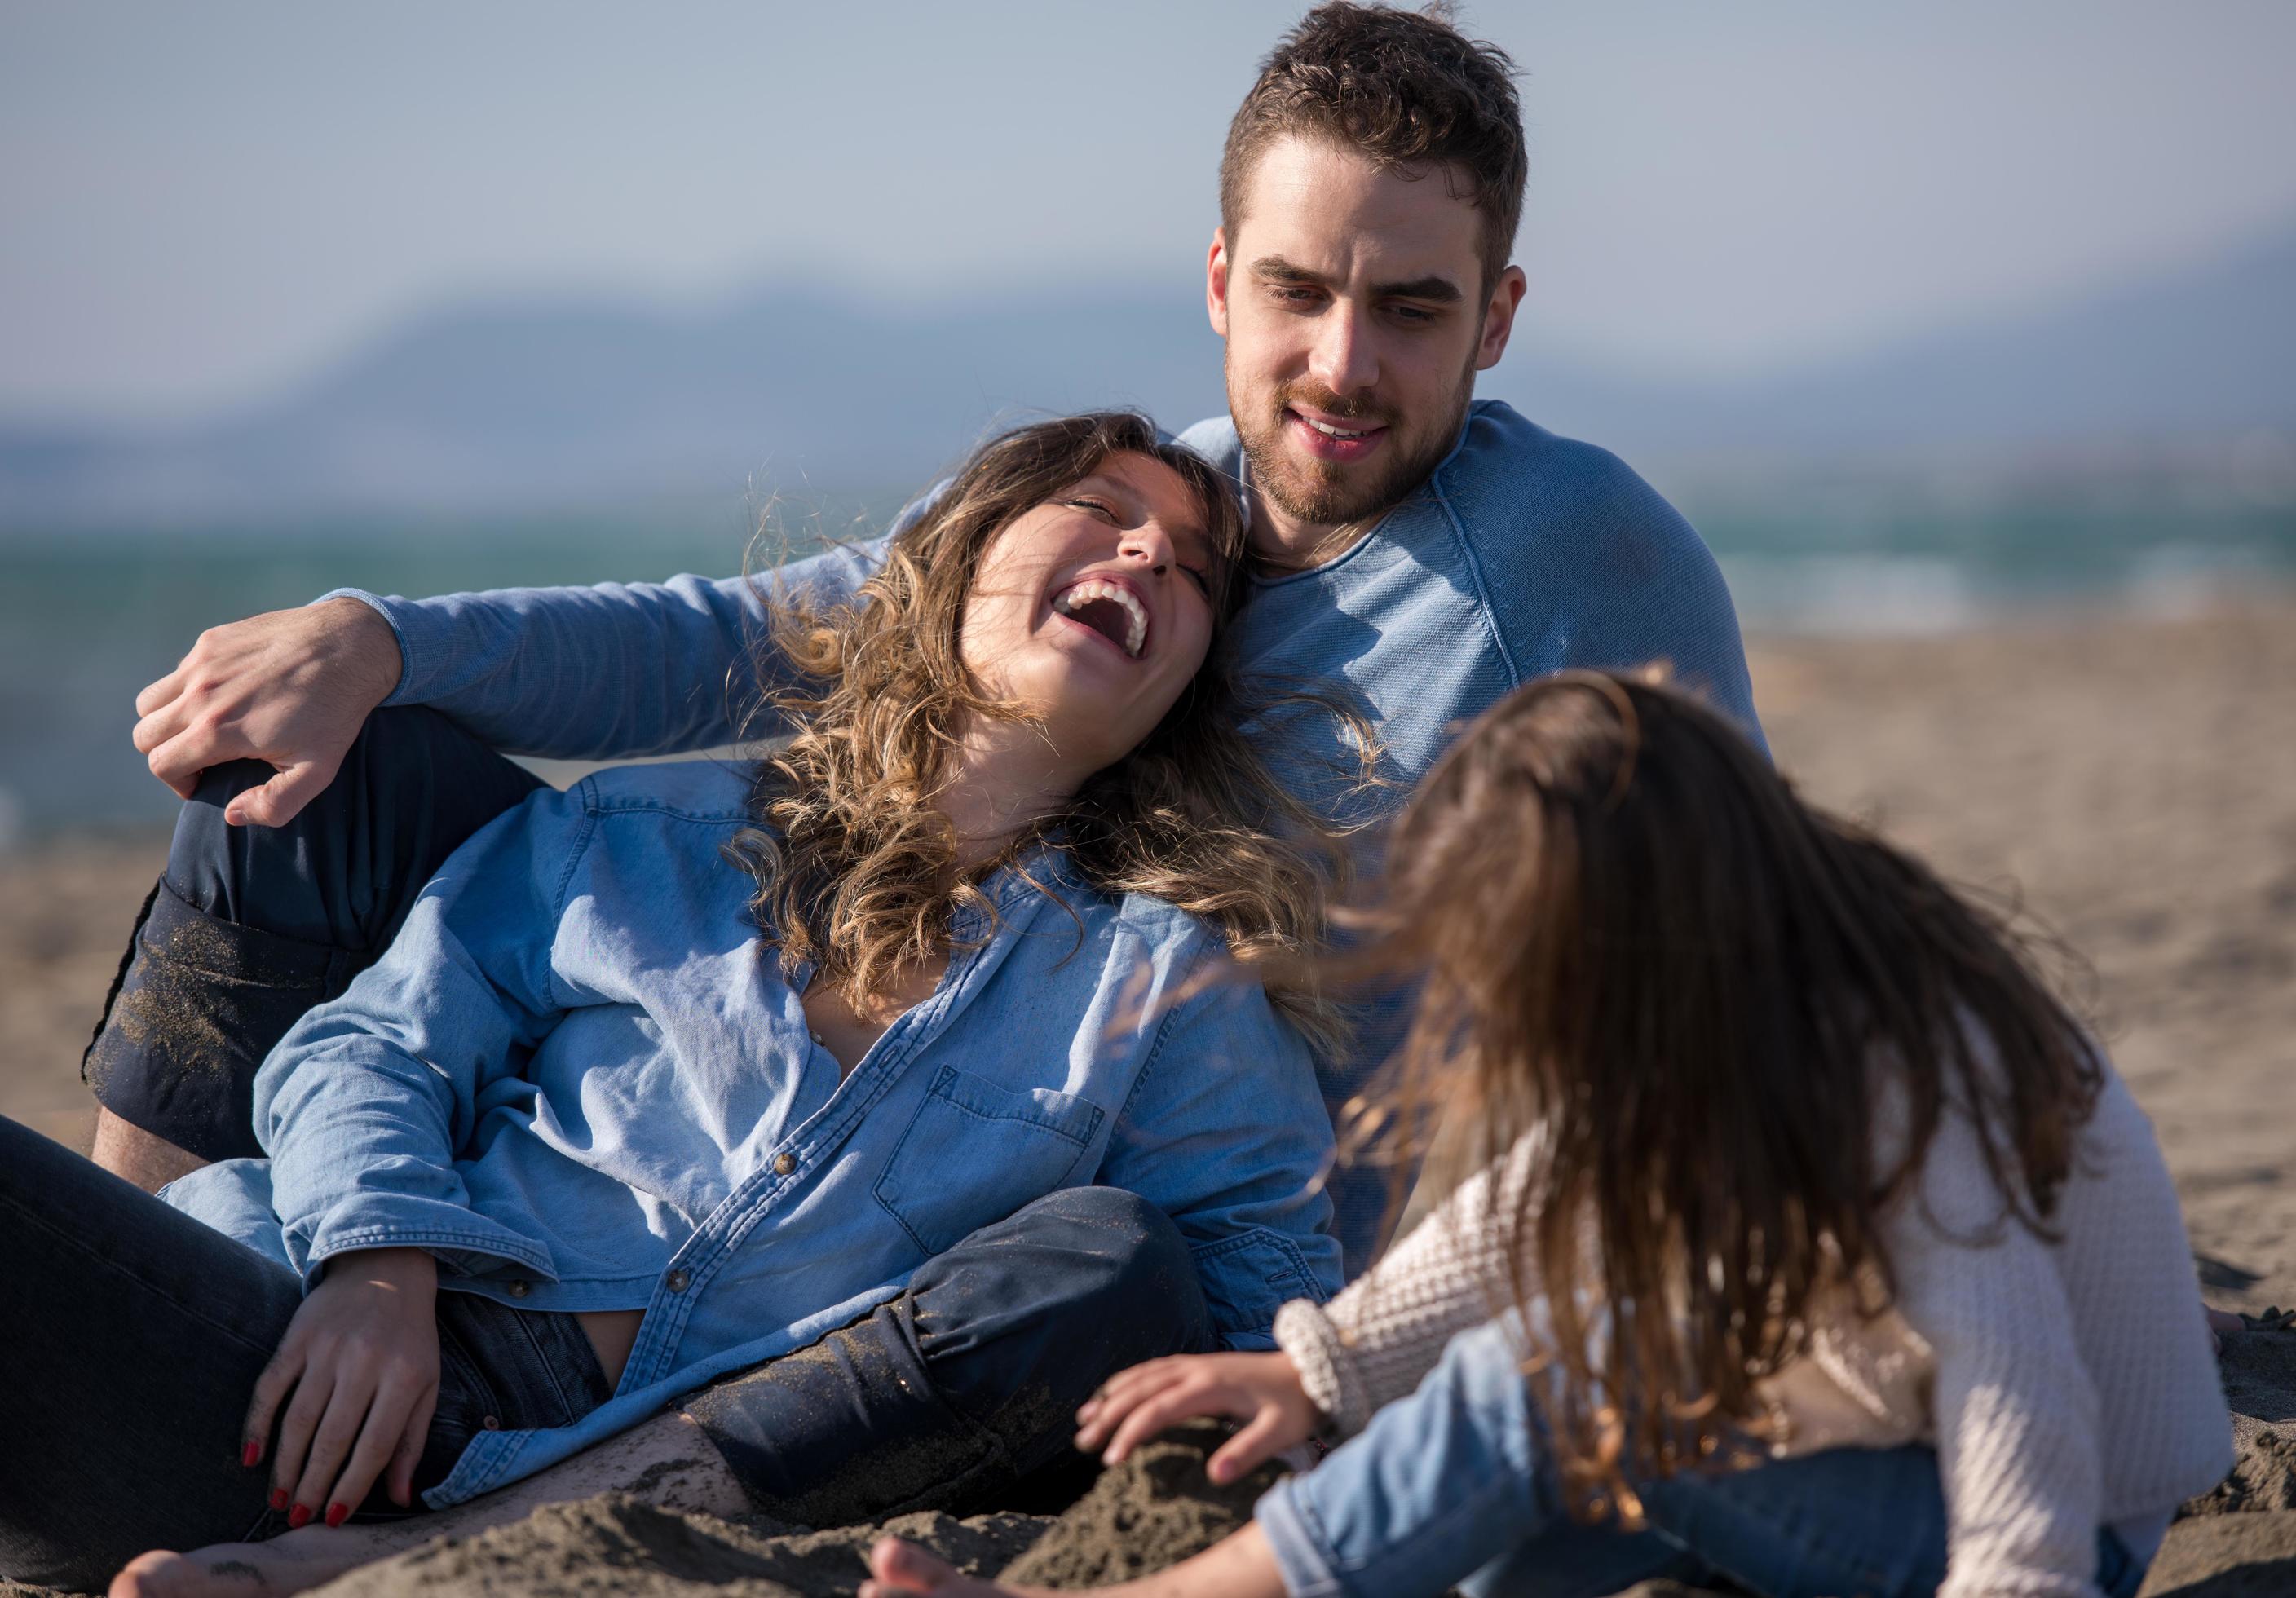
x: 977, y: 1151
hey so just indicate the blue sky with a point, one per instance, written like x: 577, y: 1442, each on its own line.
x: 201, y: 202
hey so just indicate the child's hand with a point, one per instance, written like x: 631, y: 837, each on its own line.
x: 1262, y: 1390
x: 361, y: 1359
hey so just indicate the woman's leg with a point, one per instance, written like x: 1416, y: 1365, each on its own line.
x: 249, y: 927
x: 130, y: 1339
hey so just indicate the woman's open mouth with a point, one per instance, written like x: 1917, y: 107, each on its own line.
x: 1110, y: 609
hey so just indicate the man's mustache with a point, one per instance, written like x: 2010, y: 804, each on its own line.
x: 1332, y: 405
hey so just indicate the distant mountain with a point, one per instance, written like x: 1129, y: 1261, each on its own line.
x: 2190, y: 357
x: 503, y: 405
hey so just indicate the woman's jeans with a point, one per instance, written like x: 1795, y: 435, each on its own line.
x: 133, y: 1338
x: 1453, y: 1485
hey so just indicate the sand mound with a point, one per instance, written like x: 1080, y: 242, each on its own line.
x: 1154, y: 1510
x: 2259, y: 1377
x: 2227, y: 1556
x: 618, y: 1545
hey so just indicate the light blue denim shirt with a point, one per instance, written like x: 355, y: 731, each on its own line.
x: 578, y: 1079
x: 1523, y: 553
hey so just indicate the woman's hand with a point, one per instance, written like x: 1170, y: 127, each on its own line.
x: 361, y: 1359
x: 1262, y: 1390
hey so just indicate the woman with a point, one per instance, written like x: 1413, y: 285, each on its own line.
x: 683, y: 1067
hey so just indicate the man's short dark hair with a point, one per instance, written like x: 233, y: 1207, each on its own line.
x: 1403, y: 89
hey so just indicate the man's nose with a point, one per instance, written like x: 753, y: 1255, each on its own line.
x: 1342, y: 359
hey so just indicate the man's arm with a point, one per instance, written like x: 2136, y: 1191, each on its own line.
x: 609, y: 672
x: 669, y: 1462
x: 1585, y: 565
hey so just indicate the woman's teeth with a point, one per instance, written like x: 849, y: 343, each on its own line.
x: 1076, y: 599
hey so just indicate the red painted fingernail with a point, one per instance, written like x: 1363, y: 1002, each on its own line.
x: 337, y: 1513
x: 279, y: 1497
x: 250, y: 1452
x: 297, y: 1517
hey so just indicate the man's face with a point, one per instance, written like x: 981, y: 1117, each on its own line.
x: 1353, y: 306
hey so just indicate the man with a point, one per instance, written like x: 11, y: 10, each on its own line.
x: 1418, y: 551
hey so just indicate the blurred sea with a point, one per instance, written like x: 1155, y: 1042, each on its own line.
x: 85, y: 620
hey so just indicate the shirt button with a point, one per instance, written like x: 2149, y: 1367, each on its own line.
x: 783, y: 1164
x: 518, y: 1288
x: 678, y: 1280
x: 492, y: 1422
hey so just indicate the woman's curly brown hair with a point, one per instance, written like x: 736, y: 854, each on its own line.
x: 857, y: 872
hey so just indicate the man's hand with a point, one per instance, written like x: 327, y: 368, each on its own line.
x: 292, y: 688
x: 361, y: 1359
x: 1262, y: 1390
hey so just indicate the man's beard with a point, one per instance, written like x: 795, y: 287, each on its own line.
x: 1325, y: 493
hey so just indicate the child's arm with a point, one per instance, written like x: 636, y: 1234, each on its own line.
x: 2016, y: 1414
x: 1339, y: 1362
x: 1375, y: 1343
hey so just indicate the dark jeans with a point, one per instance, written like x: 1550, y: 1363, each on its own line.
x: 249, y: 927
x: 134, y: 1337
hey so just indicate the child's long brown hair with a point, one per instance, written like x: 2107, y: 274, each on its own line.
x: 1635, y: 937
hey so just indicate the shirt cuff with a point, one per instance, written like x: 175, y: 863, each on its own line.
x: 1302, y: 1559
x: 1325, y: 1364
x: 405, y: 694
x: 465, y: 1243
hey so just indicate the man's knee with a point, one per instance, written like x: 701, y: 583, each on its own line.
x: 344, y: 869
x: 1130, y: 1260
x: 1084, y: 1282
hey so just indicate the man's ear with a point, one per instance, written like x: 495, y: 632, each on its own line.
x: 1216, y: 282
x: 1498, y: 317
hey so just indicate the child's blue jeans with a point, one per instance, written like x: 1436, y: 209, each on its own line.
x: 1452, y: 1487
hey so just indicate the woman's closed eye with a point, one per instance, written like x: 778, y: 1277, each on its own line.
x: 1197, y: 575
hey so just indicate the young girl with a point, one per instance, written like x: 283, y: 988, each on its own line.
x: 690, y: 1066
x: 1811, y: 1246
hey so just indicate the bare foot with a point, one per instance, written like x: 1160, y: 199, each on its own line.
x: 897, y: 1567
x: 290, y: 1564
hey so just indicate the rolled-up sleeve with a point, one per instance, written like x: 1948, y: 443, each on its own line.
x: 363, y: 1104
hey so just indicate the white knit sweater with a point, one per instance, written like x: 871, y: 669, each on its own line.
x: 2066, y: 1385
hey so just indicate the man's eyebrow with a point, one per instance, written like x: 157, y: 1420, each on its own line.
x: 1434, y: 287
x: 1283, y: 271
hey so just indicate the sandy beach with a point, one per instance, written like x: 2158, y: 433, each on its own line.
x: 2131, y: 781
